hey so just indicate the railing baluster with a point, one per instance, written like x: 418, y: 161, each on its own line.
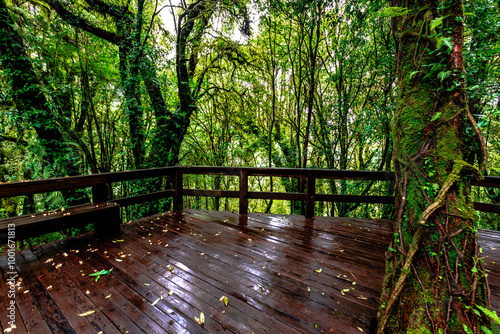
x: 178, y: 204
x: 310, y: 194
x: 100, y: 193
x: 243, y: 192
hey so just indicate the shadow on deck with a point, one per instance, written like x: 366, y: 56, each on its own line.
x: 281, y: 274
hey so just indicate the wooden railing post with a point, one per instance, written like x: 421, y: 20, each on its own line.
x: 243, y: 192
x: 310, y: 194
x: 178, y: 191
x: 100, y: 193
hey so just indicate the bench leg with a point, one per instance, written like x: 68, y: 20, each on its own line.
x: 108, y: 224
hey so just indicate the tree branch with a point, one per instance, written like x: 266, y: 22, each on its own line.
x: 83, y: 24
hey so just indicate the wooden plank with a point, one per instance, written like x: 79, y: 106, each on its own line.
x: 44, y: 303
x: 20, y: 188
x: 243, y: 193
x: 140, y: 286
x: 183, y: 276
x: 291, y: 172
x: 117, y: 310
x: 488, y: 181
x: 254, y: 269
x: 41, y: 223
x: 178, y: 204
x: 28, y: 310
x: 100, y: 193
x: 265, y: 264
x: 246, y: 287
x: 26, y: 187
x: 185, y: 292
x: 487, y: 207
x: 79, y: 298
x: 6, y: 315
x: 310, y: 195
x: 63, y: 302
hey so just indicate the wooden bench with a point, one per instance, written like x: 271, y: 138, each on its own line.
x: 105, y: 216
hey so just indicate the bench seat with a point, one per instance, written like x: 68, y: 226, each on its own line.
x: 105, y: 216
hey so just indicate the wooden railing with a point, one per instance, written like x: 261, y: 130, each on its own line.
x: 100, y: 182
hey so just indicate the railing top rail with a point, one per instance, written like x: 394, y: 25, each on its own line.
x: 11, y: 189
x: 291, y: 172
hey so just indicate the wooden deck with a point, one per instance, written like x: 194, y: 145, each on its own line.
x: 281, y: 274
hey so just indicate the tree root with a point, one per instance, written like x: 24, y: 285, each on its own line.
x: 453, y: 177
x: 482, y: 142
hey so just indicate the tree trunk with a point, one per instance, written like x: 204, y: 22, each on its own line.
x: 434, y: 276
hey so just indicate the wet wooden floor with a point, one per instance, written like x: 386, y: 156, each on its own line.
x: 280, y: 274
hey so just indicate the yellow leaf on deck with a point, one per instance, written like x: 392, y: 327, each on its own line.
x: 201, y: 319
x: 155, y: 302
x: 86, y: 313
x: 318, y: 270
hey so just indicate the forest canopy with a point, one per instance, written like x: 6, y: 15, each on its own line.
x: 93, y: 86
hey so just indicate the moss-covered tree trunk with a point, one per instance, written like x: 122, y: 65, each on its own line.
x: 434, y: 279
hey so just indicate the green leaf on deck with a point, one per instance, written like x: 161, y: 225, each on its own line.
x: 100, y: 273
x: 225, y: 300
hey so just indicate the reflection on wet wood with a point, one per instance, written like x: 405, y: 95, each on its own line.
x: 280, y: 274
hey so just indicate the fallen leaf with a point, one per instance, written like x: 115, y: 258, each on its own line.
x: 225, y: 300
x: 100, y: 273
x: 360, y: 329
x: 59, y: 266
x: 171, y: 292
x: 86, y: 313
x: 118, y: 260
x: 147, y: 284
x: 308, y: 289
x: 201, y: 319
x: 8, y: 330
x: 107, y: 296
x: 362, y: 297
x: 318, y: 270
x: 155, y: 302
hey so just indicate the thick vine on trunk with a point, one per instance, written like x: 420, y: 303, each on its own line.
x: 434, y: 277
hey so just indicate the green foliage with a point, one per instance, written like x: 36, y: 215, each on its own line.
x: 394, y: 12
